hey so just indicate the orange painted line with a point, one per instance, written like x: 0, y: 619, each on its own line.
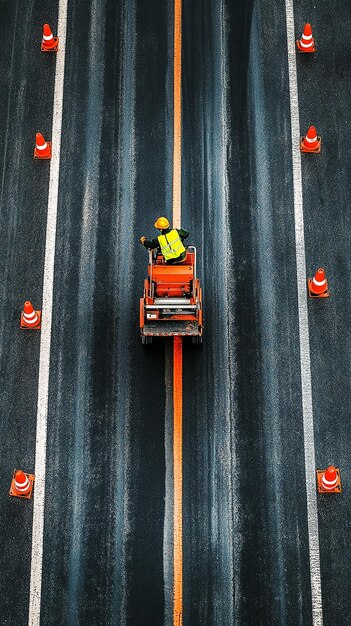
x: 177, y: 108
x: 177, y: 341
x: 178, y: 481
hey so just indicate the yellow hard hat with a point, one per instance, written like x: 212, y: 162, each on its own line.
x: 161, y: 223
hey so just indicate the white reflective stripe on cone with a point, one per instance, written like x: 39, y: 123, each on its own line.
x: 42, y: 147
x: 319, y: 283
x: 48, y: 37
x: 305, y: 45
x: 31, y: 320
x: 30, y: 315
x: 307, y: 37
x: 19, y: 486
x: 311, y: 140
x: 329, y: 483
x: 327, y: 487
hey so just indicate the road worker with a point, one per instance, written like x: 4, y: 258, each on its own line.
x: 169, y: 242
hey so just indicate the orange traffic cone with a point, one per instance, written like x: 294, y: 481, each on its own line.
x: 318, y: 285
x: 22, y: 484
x: 306, y: 43
x: 329, y: 481
x: 29, y: 317
x: 42, y: 148
x: 311, y: 143
x: 49, y: 42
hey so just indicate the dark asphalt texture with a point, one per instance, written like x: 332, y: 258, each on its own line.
x: 108, y: 508
x: 25, y: 108
x: 103, y: 553
x: 246, y: 550
x: 324, y: 82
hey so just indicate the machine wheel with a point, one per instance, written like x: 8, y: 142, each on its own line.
x: 146, y: 340
x: 197, y: 340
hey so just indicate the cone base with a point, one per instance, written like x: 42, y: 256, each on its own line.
x: 315, y: 150
x: 324, y: 294
x: 303, y: 50
x: 13, y: 492
x: 36, y: 326
x: 336, y: 489
x: 37, y: 154
x: 53, y: 48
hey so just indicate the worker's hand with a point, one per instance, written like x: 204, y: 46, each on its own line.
x: 142, y: 239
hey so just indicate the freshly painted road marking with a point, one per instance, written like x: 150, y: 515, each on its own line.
x: 177, y: 341
x: 307, y: 409
x: 45, y: 339
x: 177, y: 115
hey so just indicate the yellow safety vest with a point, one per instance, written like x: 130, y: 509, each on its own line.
x: 171, y: 245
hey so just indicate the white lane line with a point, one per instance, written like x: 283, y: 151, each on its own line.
x: 307, y: 409
x: 45, y: 338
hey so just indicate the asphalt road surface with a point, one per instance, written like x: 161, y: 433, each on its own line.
x: 108, y: 508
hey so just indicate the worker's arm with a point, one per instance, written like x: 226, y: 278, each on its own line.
x: 151, y: 244
x: 183, y: 234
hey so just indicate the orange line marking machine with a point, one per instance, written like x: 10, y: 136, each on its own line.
x: 172, y: 301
